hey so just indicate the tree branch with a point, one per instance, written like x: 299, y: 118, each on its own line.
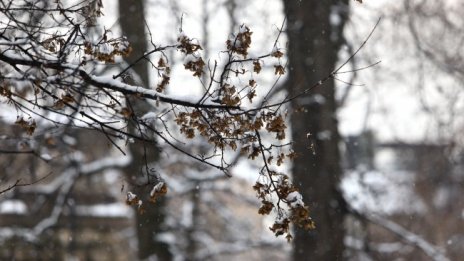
x: 413, y: 239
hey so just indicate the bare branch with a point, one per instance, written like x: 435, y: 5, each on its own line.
x: 413, y: 239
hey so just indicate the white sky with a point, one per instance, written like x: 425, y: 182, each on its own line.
x: 392, y: 89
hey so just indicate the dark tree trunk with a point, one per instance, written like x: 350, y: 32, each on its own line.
x: 313, y: 47
x: 149, y: 224
x: 132, y: 22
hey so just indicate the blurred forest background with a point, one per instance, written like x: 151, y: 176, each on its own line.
x: 380, y: 143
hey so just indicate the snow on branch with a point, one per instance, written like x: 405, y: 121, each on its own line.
x: 62, y: 186
x: 409, y: 237
x: 413, y: 239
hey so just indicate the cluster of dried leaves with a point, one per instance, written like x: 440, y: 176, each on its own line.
x: 159, y: 190
x: 107, y: 50
x: 241, y: 42
x: 164, y: 71
x: 189, y: 47
x: 240, y: 130
x: 294, y: 212
x: 28, y: 125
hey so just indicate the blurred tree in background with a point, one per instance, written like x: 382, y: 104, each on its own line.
x: 132, y: 21
x: 315, y: 35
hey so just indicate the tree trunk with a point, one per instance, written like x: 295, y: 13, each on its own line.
x: 315, y: 35
x: 149, y: 224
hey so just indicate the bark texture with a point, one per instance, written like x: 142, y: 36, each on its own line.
x: 314, y: 41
